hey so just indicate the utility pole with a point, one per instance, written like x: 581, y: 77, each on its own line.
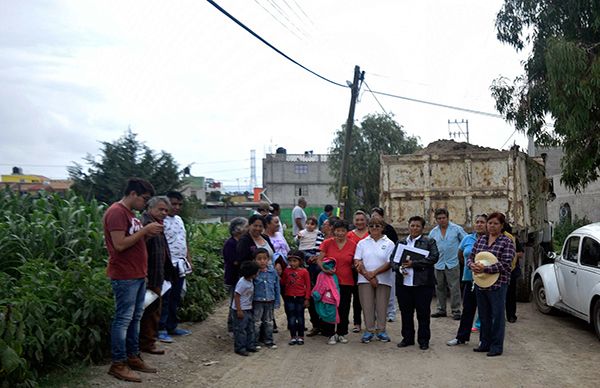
x: 343, y: 196
x: 460, y: 132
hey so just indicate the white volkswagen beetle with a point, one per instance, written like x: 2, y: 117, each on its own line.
x: 572, y: 282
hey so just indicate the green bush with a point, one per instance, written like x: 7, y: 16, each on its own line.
x: 564, y: 228
x: 204, y: 285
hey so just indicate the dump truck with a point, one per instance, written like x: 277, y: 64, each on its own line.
x: 469, y: 180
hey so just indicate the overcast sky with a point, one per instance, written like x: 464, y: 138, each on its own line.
x: 191, y: 82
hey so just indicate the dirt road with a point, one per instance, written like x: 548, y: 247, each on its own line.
x: 540, y: 351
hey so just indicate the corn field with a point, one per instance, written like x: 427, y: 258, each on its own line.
x: 56, y: 302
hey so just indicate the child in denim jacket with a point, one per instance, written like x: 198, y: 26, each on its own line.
x: 266, y: 298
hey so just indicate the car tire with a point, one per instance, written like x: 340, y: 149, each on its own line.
x: 539, y: 297
x: 596, y: 317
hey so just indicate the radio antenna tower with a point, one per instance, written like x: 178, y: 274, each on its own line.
x: 252, y: 169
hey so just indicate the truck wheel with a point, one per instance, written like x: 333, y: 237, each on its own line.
x: 539, y: 297
x: 596, y: 317
x: 523, y: 284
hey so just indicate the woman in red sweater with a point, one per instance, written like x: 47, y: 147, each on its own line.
x: 296, y: 283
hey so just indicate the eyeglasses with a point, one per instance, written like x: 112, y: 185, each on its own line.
x: 375, y: 226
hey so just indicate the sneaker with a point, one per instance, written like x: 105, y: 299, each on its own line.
x: 456, y: 341
x: 366, y: 337
x: 474, y: 330
x: 180, y: 332
x: 254, y: 350
x: 270, y: 346
x: 313, y: 332
x: 383, y: 337
x: 456, y: 317
x: 300, y: 341
x: 164, y: 337
x: 438, y: 314
x: 293, y: 341
x: 356, y: 329
x: 258, y: 347
x: 391, y: 319
x: 333, y: 340
x: 242, y: 353
x: 342, y: 339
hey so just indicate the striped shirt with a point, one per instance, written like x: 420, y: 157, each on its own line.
x: 504, y: 250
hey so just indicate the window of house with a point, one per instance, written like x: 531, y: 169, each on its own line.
x: 571, y: 249
x: 301, y: 168
x: 590, y: 252
x: 301, y: 190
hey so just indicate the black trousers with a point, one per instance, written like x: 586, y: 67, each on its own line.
x: 511, y: 294
x: 330, y: 329
x: 356, y: 307
x: 468, y: 313
x: 411, y: 299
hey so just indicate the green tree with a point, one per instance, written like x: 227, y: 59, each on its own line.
x: 561, y: 80
x: 377, y: 135
x: 125, y: 158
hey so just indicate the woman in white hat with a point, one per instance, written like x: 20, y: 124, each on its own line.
x: 490, y: 260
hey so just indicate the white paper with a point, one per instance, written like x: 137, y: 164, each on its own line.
x: 401, y: 248
x: 149, y: 298
x: 165, y: 287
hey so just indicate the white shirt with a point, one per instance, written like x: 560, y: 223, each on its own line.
x: 373, y: 255
x: 175, y: 234
x: 408, y: 277
x: 298, y: 212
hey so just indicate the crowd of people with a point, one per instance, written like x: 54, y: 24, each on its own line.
x: 333, y: 268
x: 148, y: 262
x: 336, y: 268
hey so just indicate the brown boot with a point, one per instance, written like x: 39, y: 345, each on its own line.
x: 122, y: 371
x: 136, y: 363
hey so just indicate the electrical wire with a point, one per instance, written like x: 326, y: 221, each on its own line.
x: 510, y: 137
x: 495, y: 115
x: 280, y: 10
x: 275, y: 17
x: 304, y: 13
x: 375, y: 97
x: 217, y: 6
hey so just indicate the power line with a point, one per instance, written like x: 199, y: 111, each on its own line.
x: 275, y: 17
x: 495, y: 115
x: 293, y: 10
x: 375, y: 97
x: 304, y: 13
x: 271, y: 46
x: 282, y: 13
x: 510, y: 137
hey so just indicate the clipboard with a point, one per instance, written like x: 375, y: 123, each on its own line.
x: 403, y: 252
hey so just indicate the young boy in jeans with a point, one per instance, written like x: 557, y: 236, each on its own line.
x: 243, y: 326
x: 266, y: 298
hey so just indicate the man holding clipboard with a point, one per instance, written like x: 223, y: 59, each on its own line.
x: 413, y: 260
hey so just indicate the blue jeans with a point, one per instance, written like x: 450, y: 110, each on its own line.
x: 243, y: 330
x: 295, y: 315
x: 170, y: 303
x: 263, y: 321
x: 490, y: 304
x: 129, y: 308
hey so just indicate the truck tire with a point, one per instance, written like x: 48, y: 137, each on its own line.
x: 523, y: 284
x: 596, y: 317
x: 539, y: 297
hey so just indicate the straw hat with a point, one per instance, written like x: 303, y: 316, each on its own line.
x: 485, y: 280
